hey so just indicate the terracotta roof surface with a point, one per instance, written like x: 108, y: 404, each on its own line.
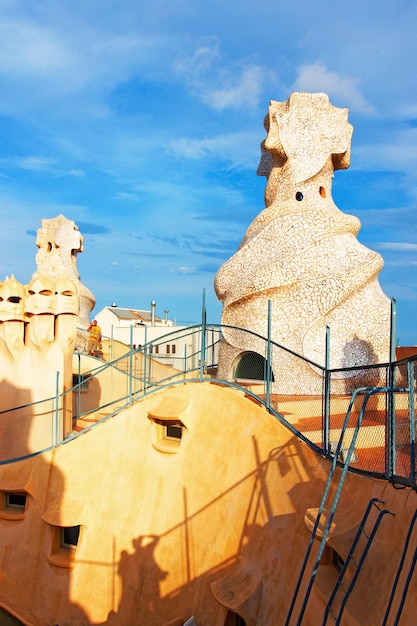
x: 133, y: 314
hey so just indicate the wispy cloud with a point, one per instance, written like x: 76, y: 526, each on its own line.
x: 30, y: 49
x: 399, y: 247
x: 184, y: 269
x: 77, y: 173
x: 195, y: 66
x: 234, y: 92
x: 221, y: 84
x: 402, y: 216
x: 68, y: 61
x: 392, y: 148
x: 316, y: 77
x: 238, y: 149
x: 36, y: 163
x: 87, y: 228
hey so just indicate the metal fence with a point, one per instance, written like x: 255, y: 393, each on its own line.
x: 383, y: 446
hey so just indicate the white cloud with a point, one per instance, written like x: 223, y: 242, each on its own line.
x: 36, y: 163
x: 241, y: 150
x: 399, y: 247
x: 316, y: 77
x: 243, y: 90
x: 43, y: 164
x: 29, y: 49
x: 65, y: 58
x: 219, y: 84
x: 394, y: 150
x: 77, y: 173
x: 186, y: 270
x: 192, y: 148
x: 194, y: 67
x: 126, y: 195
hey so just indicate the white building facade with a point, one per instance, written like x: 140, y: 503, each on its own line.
x: 170, y: 344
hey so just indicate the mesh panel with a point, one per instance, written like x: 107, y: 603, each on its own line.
x: 368, y: 452
x: 401, y: 436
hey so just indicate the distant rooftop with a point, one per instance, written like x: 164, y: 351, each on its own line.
x: 136, y: 315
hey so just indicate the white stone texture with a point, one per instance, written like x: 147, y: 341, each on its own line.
x: 303, y: 255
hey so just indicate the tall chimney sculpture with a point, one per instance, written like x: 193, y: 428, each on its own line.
x: 301, y: 254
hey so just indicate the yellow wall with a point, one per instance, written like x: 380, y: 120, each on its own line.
x: 158, y: 529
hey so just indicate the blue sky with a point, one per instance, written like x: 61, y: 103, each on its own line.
x: 141, y: 120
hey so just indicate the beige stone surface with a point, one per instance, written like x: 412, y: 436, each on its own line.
x: 37, y: 337
x: 301, y: 253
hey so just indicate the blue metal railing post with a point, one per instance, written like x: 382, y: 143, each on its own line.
x: 130, y: 364
x: 326, y: 407
x: 349, y: 559
x: 145, y: 349
x: 397, y: 576
x: 359, y: 565
x: 412, y: 420
x: 393, y: 330
x: 268, y: 360
x: 57, y: 409
x: 150, y: 363
x: 79, y: 387
x: 203, y: 336
x: 391, y: 461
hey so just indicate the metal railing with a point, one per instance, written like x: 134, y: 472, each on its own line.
x: 385, y: 445
x: 330, y: 501
x: 408, y: 575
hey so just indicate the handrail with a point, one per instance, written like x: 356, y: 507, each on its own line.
x: 406, y: 586
x: 329, y: 520
x: 141, y: 380
x: 411, y: 412
x: 399, y: 570
x: 348, y: 558
x: 378, y: 521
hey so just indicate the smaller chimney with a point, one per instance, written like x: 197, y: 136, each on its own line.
x: 166, y: 316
